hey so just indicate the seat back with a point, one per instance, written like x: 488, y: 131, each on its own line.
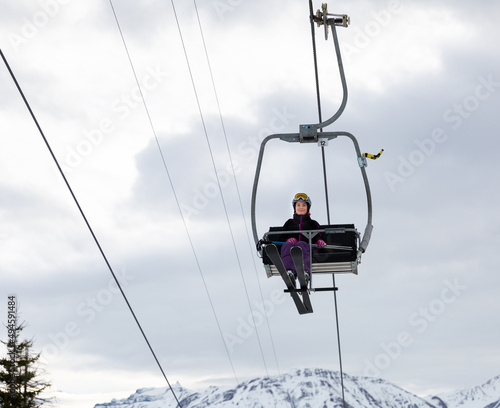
x: 341, y: 235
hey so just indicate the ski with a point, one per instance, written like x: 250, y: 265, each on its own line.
x: 274, y: 255
x: 298, y: 261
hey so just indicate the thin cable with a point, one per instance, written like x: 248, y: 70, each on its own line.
x: 88, y: 225
x: 326, y: 192
x: 218, y: 181
x: 318, y: 100
x: 235, y: 179
x: 177, y: 200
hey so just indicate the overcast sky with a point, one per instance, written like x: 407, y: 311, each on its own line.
x: 424, y: 85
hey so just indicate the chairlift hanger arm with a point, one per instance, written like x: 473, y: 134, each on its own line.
x: 311, y: 130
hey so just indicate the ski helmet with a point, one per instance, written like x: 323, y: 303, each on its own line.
x: 301, y: 197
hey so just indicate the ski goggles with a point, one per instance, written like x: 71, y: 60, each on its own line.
x: 301, y: 197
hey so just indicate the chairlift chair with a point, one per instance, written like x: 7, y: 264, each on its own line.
x: 345, y: 245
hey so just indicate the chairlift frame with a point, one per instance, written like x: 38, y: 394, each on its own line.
x: 313, y: 133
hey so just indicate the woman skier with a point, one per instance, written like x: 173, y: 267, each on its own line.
x: 301, y: 221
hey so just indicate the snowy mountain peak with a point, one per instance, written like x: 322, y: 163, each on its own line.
x: 486, y: 395
x: 309, y: 388
x: 305, y: 388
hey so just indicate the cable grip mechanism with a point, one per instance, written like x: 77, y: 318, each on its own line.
x: 322, y: 18
x: 308, y: 133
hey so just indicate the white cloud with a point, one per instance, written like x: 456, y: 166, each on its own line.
x: 437, y: 224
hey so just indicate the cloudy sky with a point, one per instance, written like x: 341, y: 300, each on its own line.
x: 143, y: 129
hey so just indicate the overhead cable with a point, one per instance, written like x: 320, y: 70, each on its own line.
x: 88, y: 226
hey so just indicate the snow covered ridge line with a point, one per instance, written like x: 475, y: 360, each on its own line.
x: 310, y: 388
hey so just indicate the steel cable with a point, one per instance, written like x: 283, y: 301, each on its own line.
x: 89, y: 226
x: 318, y: 97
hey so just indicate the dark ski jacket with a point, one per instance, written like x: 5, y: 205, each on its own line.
x: 301, y: 223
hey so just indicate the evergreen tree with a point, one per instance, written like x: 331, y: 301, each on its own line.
x: 20, y: 385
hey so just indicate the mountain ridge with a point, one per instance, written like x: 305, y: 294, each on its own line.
x: 486, y: 395
x: 309, y: 388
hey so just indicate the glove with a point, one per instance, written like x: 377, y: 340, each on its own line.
x: 292, y: 240
x: 321, y: 243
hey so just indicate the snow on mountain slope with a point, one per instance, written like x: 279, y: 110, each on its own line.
x: 486, y: 395
x: 308, y: 388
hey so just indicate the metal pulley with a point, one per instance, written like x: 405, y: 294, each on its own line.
x: 322, y: 18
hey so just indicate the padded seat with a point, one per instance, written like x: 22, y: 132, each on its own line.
x: 341, y: 257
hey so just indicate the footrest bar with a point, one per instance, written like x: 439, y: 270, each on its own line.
x: 325, y: 289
